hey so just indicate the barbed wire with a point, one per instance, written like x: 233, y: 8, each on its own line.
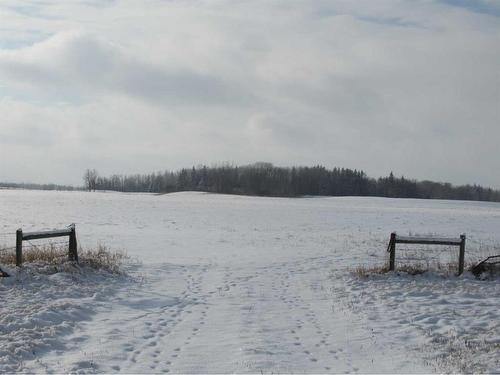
x: 29, y: 244
x: 472, y: 240
x: 33, y: 245
x: 59, y: 243
x: 428, y: 250
x: 418, y: 259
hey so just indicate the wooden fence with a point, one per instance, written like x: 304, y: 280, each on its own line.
x: 69, y: 232
x: 460, y: 242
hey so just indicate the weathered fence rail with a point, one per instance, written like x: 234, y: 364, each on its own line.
x: 67, y: 232
x: 395, y: 239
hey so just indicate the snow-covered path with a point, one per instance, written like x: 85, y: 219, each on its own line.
x: 276, y: 318
x: 245, y: 284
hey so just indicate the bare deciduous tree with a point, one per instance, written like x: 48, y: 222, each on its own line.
x: 90, y: 179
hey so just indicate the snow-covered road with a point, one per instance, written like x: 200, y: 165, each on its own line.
x: 242, y: 284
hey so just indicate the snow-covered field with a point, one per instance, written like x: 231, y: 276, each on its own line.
x: 243, y: 284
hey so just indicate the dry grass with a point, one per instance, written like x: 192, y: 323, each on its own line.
x: 458, y: 354
x: 49, y: 254
x: 365, y: 271
x: 100, y: 259
x: 103, y: 259
x: 415, y: 268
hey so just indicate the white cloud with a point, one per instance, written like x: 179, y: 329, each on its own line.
x: 138, y: 86
x: 76, y: 64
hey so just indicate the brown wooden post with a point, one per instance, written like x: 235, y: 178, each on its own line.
x: 392, y: 249
x: 19, y: 247
x: 73, y: 252
x: 461, y: 256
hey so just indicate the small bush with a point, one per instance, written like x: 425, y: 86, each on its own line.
x: 102, y: 258
x: 50, y: 254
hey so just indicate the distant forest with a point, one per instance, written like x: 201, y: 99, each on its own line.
x: 265, y: 179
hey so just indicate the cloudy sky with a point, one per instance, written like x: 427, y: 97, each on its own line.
x: 145, y: 85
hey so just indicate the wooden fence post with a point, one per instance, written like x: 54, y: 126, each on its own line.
x: 73, y: 251
x: 461, y: 256
x: 19, y: 247
x: 392, y: 249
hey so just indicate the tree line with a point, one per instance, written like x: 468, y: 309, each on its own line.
x: 265, y: 179
x: 32, y: 186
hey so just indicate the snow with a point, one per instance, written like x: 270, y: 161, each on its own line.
x: 248, y: 284
x: 39, y: 306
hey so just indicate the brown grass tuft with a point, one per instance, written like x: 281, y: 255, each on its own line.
x: 365, y: 271
x: 446, y: 268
